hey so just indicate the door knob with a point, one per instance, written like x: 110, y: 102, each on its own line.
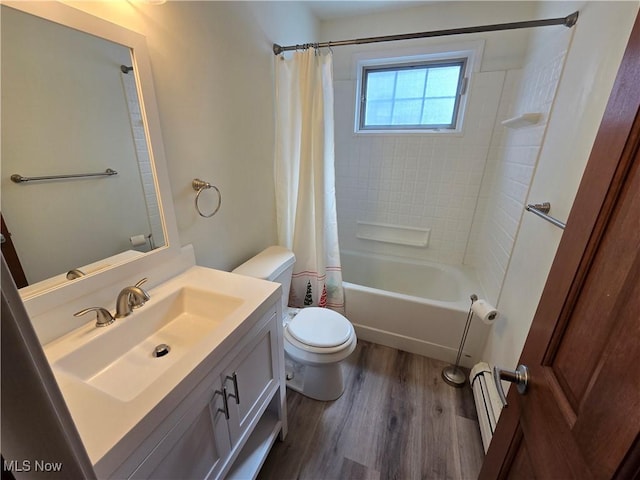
x: 519, y: 376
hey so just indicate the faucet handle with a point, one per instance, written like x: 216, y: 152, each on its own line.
x: 141, y: 282
x: 103, y: 316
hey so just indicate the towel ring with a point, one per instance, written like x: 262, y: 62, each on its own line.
x: 199, y: 186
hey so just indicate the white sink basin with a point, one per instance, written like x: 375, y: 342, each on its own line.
x: 120, y: 360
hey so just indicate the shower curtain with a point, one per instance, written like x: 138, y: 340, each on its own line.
x: 305, y: 178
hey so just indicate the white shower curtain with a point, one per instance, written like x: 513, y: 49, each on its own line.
x: 305, y: 178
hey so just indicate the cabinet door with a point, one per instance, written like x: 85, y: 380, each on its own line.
x: 251, y: 379
x: 196, y: 447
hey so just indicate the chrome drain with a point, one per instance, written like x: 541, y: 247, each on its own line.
x: 161, y: 350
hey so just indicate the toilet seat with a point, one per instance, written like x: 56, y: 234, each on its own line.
x: 290, y: 341
x: 312, y: 321
x: 320, y: 327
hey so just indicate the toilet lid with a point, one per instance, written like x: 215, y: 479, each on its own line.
x: 320, y: 327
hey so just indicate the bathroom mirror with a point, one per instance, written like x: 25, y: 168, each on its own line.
x: 77, y: 98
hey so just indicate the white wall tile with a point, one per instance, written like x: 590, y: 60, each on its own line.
x: 420, y: 180
x: 511, y: 163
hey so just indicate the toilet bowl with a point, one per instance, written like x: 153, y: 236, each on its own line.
x: 316, y: 340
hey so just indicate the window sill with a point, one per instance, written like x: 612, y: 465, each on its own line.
x: 430, y: 133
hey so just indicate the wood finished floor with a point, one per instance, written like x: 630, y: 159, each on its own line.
x: 397, y: 419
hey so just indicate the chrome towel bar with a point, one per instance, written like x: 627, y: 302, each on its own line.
x: 542, y: 210
x: 20, y: 179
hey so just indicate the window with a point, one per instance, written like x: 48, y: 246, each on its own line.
x: 422, y: 95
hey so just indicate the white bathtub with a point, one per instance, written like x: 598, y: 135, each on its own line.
x: 412, y: 305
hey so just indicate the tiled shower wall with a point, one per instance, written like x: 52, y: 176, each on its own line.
x: 428, y: 181
x: 144, y: 162
x: 470, y: 189
x: 512, y: 161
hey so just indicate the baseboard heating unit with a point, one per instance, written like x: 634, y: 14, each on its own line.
x: 488, y: 404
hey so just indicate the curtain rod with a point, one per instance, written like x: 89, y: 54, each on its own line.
x: 568, y: 21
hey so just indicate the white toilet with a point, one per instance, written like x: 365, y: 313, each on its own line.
x: 316, y: 340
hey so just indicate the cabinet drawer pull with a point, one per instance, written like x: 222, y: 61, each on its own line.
x: 224, y: 410
x: 234, y: 379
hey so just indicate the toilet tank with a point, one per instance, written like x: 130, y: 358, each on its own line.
x: 274, y: 264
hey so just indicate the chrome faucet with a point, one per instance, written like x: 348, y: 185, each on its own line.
x: 130, y: 298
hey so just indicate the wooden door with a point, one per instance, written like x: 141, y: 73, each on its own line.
x: 11, y: 256
x: 581, y: 415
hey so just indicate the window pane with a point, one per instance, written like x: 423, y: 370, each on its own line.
x: 410, y: 83
x: 380, y: 85
x: 443, y: 82
x: 406, y: 112
x: 438, y: 111
x: 378, y: 112
x: 422, y: 95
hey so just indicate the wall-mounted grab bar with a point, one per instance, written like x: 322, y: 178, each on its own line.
x: 20, y: 179
x: 542, y: 210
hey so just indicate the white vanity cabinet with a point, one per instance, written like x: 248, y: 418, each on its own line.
x: 228, y: 422
x: 196, y: 446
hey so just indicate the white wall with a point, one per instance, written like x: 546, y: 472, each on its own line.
x: 213, y: 72
x: 424, y: 180
x: 503, y: 50
x: 591, y: 65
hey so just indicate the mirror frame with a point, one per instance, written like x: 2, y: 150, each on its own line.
x: 70, y: 17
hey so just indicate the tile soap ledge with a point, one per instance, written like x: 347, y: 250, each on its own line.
x: 523, y: 120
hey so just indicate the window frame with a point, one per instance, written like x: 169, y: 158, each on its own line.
x: 471, y: 52
x: 397, y: 67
